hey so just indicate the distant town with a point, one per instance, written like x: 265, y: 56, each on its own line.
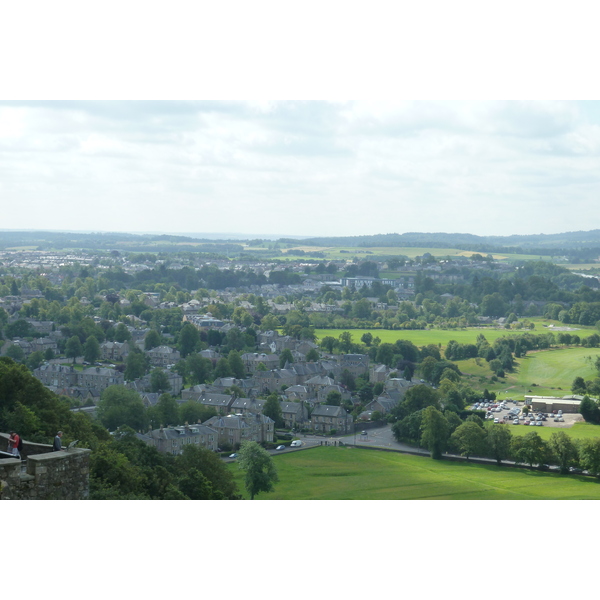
x: 272, y: 342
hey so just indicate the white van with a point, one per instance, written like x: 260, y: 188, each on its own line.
x: 296, y: 444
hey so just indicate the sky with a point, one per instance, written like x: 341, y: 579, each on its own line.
x: 300, y: 168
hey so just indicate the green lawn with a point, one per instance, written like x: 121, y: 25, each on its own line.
x: 334, y: 473
x: 423, y: 337
x: 552, y: 372
x: 579, y: 431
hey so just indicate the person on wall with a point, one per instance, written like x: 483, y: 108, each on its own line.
x: 57, y: 446
x: 13, y: 444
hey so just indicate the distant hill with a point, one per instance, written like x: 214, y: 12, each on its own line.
x: 467, y: 241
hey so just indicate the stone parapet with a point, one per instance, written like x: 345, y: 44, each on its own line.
x: 61, y: 475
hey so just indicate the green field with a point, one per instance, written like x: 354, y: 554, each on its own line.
x: 423, y: 337
x: 552, y: 372
x: 334, y: 473
x: 579, y: 431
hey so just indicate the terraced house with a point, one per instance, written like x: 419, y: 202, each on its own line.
x: 325, y: 418
x: 172, y: 440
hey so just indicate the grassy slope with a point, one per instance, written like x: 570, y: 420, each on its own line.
x: 333, y: 473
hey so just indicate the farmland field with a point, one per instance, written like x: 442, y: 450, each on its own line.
x: 339, y: 253
x: 334, y: 473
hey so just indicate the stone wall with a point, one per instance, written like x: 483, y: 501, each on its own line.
x: 29, y: 448
x: 61, y: 475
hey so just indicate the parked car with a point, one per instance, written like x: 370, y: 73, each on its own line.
x: 234, y: 455
x: 516, y: 422
x: 280, y: 447
x: 496, y: 420
x: 527, y: 422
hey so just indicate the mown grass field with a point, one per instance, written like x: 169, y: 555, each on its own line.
x: 423, y: 337
x: 543, y: 373
x: 334, y: 473
x: 579, y: 431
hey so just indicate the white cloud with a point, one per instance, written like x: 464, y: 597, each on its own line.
x: 303, y: 168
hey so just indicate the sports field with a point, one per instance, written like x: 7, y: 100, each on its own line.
x: 334, y: 473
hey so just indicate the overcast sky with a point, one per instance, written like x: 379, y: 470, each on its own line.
x: 301, y: 168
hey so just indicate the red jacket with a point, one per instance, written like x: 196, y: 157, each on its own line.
x: 14, y: 442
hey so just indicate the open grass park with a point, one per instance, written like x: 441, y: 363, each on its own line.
x: 344, y: 473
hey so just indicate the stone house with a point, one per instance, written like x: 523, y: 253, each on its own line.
x: 172, y: 440
x: 325, y: 418
x: 161, y: 356
x: 57, y: 376
x: 116, y: 351
x: 99, y: 378
x: 251, y: 361
x: 234, y: 429
x: 294, y: 414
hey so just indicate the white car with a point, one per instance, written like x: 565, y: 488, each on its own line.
x: 516, y: 422
x: 496, y: 420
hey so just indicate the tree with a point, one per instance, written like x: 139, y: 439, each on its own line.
x: 564, y: 449
x: 589, y: 410
x: 312, y: 355
x: 589, y: 456
x: 260, y: 469
x: 199, y: 368
x: 223, y: 369
x: 159, y: 381
x: 15, y: 352
x: 91, y: 349
x: 272, y: 409
x: 334, y: 398
x: 530, y: 449
x: 194, y: 412
x: 345, y: 341
x: 122, y: 334
x: 167, y: 410
x: 211, y: 466
x: 34, y: 360
x: 329, y: 343
x: 285, y: 357
x: 420, y: 396
x: 427, y: 366
x: 196, y: 486
x: 189, y: 336
x: 73, y: 349
x: 236, y: 364
x: 367, y: 338
x: 434, y: 431
x: 152, y: 340
x: 136, y: 365
x: 119, y: 406
x: 469, y: 439
x: 498, y: 441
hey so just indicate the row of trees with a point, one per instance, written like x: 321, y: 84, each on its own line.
x: 440, y: 432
